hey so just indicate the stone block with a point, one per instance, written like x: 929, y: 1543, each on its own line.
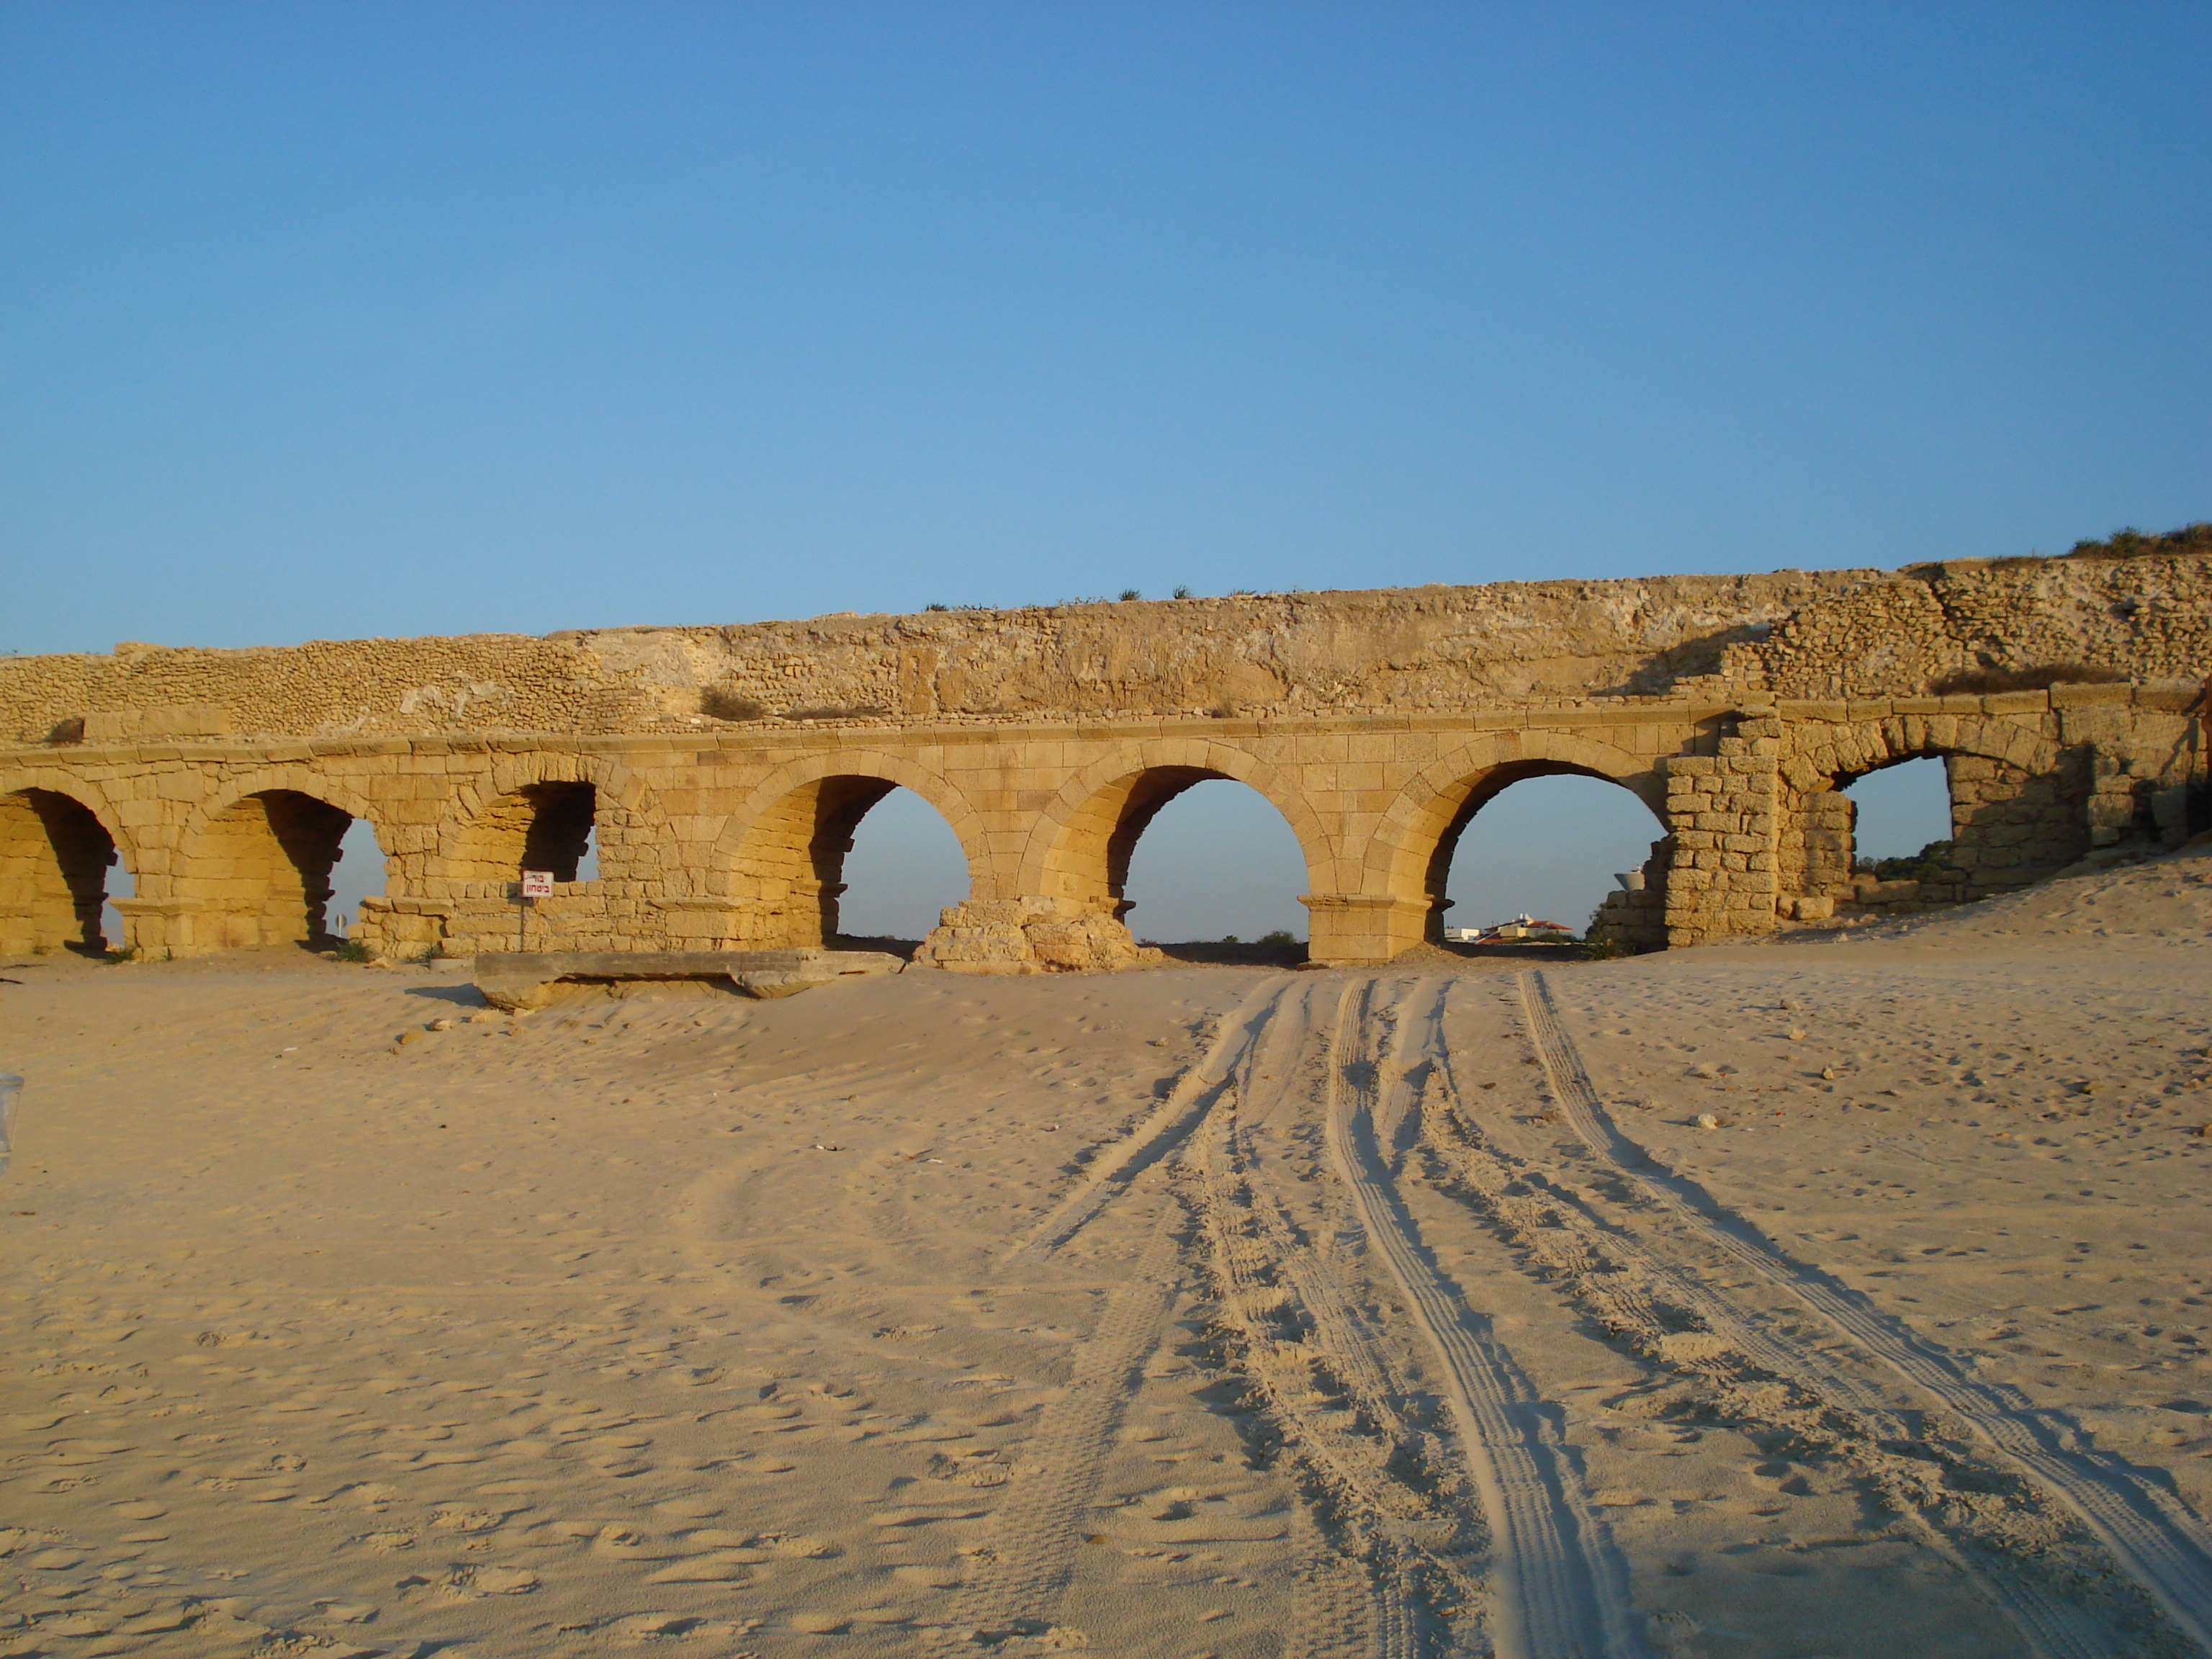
x: 2166, y: 696
x: 2090, y: 696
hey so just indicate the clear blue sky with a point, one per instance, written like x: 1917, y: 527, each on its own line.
x: 341, y: 320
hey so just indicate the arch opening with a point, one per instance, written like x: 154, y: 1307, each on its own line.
x: 1900, y: 811
x: 1930, y: 828
x: 1209, y: 868
x: 54, y: 859
x: 358, y: 874
x: 1886, y: 840
x: 261, y: 870
x: 791, y: 867
x: 1548, y: 842
x: 901, y: 869
x: 540, y: 826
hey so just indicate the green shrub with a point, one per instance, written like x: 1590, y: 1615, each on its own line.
x: 1281, y: 936
x: 354, y: 950
x: 1926, y: 864
x: 2133, y: 543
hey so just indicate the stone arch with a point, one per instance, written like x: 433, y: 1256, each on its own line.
x: 529, y: 805
x: 781, y: 858
x: 253, y: 865
x: 2018, y: 798
x: 1079, y: 851
x: 298, y: 779
x: 1834, y: 755
x: 1409, y: 857
x: 57, y: 841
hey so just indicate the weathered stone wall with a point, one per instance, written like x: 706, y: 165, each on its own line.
x: 1376, y: 723
x: 1897, y: 633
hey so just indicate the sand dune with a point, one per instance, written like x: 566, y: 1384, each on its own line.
x: 1192, y: 1312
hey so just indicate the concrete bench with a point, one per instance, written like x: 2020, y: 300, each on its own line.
x: 519, y: 979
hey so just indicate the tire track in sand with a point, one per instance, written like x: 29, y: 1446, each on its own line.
x: 1025, y: 1567
x: 1034, y: 1534
x: 1193, y: 1096
x: 2149, y: 1533
x: 1764, y: 1374
x: 1560, y: 1589
x: 1380, y: 1556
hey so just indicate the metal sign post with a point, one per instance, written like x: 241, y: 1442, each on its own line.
x: 536, y: 885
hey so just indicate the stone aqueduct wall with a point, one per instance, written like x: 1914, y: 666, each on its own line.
x: 1376, y: 722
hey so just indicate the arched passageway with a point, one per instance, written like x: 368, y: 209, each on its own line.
x: 1545, y: 840
x: 903, y: 868
x: 1087, y: 858
x: 1080, y: 862
x: 359, y: 874
x: 791, y: 866
x: 54, y: 859
x: 259, y: 873
x: 1917, y: 826
x: 1215, y: 862
x: 1900, y: 809
x: 540, y: 826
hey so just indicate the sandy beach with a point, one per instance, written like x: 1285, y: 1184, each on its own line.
x: 1841, y: 1295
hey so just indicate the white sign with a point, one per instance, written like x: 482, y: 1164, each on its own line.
x: 537, y: 884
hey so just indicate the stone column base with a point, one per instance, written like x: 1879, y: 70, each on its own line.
x: 1032, y: 936
x: 162, y: 926
x: 1360, y: 929
x: 401, y: 927
x: 188, y: 927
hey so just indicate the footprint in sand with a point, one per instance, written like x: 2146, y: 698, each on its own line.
x: 735, y: 1568
x: 719, y: 1538
x: 653, y: 1627
x: 939, y: 1578
x: 505, y: 1580
x: 623, y: 1545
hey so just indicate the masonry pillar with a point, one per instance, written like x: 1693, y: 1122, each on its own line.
x: 1723, y: 813
x: 1349, y: 929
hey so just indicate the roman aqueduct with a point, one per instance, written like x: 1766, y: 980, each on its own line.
x: 720, y: 772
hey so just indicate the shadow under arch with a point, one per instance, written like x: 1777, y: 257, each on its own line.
x: 56, y: 849
x: 253, y: 865
x: 1080, y: 849
x: 1410, y: 857
x: 781, y: 859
